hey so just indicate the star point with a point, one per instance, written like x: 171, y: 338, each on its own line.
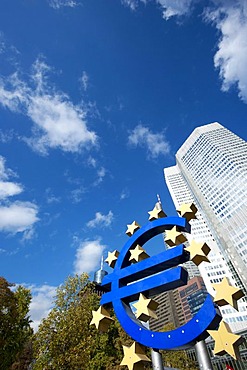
x: 132, y: 228
x: 174, y: 237
x: 137, y: 254
x: 188, y: 211
x: 101, y: 319
x: 156, y: 213
x: 226, y: 341
x: 227, y: 294
x: 134, y: 357
x: 198, y: 252
x: 112, y: 258
x: 145, y: 308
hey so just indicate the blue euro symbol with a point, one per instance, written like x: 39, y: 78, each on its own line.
x: 152, y: 276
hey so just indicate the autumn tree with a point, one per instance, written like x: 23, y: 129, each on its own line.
x: 15, y: 330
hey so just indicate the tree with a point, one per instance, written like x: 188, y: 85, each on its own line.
x: 65, y: 339
x: 15, y: 330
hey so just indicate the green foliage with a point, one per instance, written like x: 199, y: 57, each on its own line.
x: 15, y: 330
x: 65, y: 339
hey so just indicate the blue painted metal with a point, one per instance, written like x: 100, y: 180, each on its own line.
x: 151, y: 276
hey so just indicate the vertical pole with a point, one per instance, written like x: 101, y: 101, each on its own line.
x: 203, y: 356
x: 157, y: 362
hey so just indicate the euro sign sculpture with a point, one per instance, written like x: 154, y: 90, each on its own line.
x: 151, y: 276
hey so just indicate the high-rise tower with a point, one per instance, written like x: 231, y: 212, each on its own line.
x: 211, y: 171
x: 98, y: 278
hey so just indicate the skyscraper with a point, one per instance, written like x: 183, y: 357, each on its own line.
x: 211, y: 171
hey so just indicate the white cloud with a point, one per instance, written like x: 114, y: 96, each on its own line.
x: 101, y: 174
x: 132, y: 4
x: 76, y: 194
x: 156, y: 144
x: 101, y: 220
x: 41, y: 304
x: 5, y: 172
x: 124, y: 194
x: 15, y: 97
x: 57, y: 122
x: 230, y: 18
x: 8, y: 189
x: 2, y: 44
x: 170, y: 8
x: 50, y: 197
x: 18, y: 216
x: 88, y: 256
x: 92, y: 162
x: 28, y: 234
x: 57, y: 4
x: 173, y: 8
x: 84, y: 80
x: 6, y: 136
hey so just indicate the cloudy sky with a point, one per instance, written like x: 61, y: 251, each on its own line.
x: 96, y: 97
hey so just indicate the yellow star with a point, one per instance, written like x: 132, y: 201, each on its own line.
x: 156, y: 213
x: 174, y: 237
x: 101, y: 319
x: 132, y: 228
x: 188, y: 211
x: 112, y: 258
x: 225, y: 341
x: 227, y: 294
x: 134, y: 356
x: 138, y: 254
x: 198, y: 252
x: 145, y: 308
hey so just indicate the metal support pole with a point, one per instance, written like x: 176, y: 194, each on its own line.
x: 157, y: 362
x: 203, y: 356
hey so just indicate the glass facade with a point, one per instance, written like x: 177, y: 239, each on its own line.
x: 211, y: 171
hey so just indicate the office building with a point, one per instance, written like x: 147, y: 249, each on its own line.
x: 211, y: 171
x: 192, y: 296
x: 169, y: 311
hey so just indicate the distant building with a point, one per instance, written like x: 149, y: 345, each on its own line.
x: 211, y: 171
x: 98, y: 278
x: 192, y: 296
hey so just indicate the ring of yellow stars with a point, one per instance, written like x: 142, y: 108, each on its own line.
x: 112, y: 258
x: 174, y: 237
x: 145, y: 308
x: 225, y: 341
x: 156, y: 213
x: 134, y: 357
x: 227, y: 294
x: 137, y: 254
x: 132, y: 228
x: 198, y: 252
x: 188, y: 211
x: 101, y: 319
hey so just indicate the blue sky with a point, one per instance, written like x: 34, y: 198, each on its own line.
x: 96, y: 97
